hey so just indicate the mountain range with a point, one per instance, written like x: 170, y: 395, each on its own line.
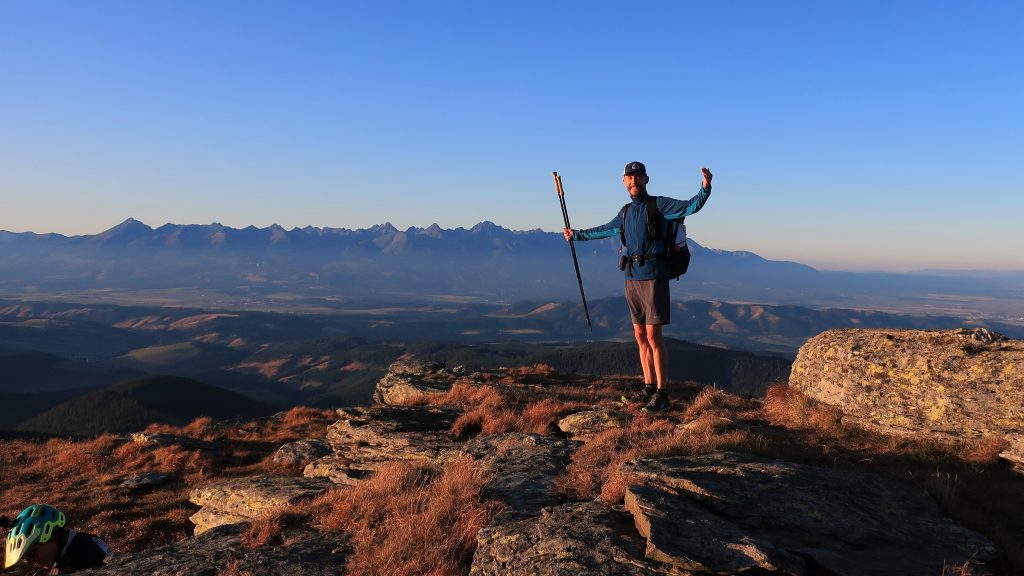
x: 318, y: 267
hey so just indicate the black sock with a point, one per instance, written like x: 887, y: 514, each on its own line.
x: 650, y: 389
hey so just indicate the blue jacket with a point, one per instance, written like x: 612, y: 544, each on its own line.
x: 637, y: 240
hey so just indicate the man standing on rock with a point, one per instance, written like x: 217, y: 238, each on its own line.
x: 647, y: 270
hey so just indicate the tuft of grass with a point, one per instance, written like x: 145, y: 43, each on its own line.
x: 411, y: 519
x: 786, y: 407
x: 595, y: 470
x: 984, y: 450
x: 490, y: 412
x: 713, y: 399
x: 268, y: 527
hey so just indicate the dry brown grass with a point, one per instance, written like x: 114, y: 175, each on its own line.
x: 267, y: 528
x: 787, y: 407
x: 713, y: 400
x: 489, y: 411
x: 411, y: 520
x: 984, y: 450
x: 83, y: 477
x: 596, y: 467
x: 539, y: 370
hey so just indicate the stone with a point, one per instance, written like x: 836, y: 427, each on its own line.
x: 364, y: 439
x: 146, y: 480
x: 411, y: 380
x: 589, y: 423
x: 164, y: 440
x: 301, y: 452
x: 524, y: 468
x: 682, y: 533
x: 249, y: 497
x: 950, y: 385
x: 207, y: 519
x: 338, y: 470
x: 219, y: 551
x: 724, y: 509
x: 567, y: 540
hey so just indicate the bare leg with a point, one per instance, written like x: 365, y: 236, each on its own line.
x: 659, y: 358
x: 646, y: 356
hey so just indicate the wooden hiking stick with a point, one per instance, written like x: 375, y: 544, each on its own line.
x: 572, y: 246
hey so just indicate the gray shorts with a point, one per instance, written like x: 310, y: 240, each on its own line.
x: 648, y: 301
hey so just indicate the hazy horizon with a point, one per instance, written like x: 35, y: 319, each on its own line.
x: 826, y: 266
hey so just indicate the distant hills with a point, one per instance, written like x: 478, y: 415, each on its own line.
x: 133, y: 405
x: 316, y: 268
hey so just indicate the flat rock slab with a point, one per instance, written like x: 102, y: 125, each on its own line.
x: 718, y: 509
x: 365, y: 439
x: 682, y: 533
x: 590, y: 423
x: 411, y: 380
x: 568, y: 540
x: 251, y: 496
x: 301, y: 452
x: 524, y: 467
x: 948, y: 385
x: 206, y: 519
x: 308, y: 553
x: 390, y: 433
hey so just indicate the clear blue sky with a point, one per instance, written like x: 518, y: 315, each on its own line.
x: 846, y: 135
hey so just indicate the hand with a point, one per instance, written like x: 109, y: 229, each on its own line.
x: 567, y: 232
x: 707, y: 178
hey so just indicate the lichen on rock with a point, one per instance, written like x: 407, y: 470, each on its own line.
x: 950, y: 385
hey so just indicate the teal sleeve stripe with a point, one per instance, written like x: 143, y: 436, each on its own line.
x: 691, y: 206
x: 597, y: 234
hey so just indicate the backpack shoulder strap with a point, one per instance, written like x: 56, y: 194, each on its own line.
x: 622, y: 227
x: 653, y: 215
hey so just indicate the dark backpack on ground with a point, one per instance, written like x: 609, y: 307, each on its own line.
x: 678, y: 255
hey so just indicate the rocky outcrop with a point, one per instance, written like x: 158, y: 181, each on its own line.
x: 364, y: 439
x: 413, y: 380
x: 219, y: 551
x: 581, y: 538
x: 949, y: 385
x: 243, y: 499
x: 523, y: 469
x: 727, y: 513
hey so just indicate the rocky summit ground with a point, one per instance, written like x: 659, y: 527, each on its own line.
x: 531, y: 472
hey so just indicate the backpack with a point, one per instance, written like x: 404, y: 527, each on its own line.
x: 678, y: 255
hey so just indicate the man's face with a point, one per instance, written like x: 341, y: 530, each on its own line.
x: 40, y: 556
x: 636, y: 184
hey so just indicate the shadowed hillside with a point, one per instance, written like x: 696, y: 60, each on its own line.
x: 135, y: 404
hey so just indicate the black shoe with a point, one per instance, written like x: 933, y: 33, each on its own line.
x: 638, y: 396
x: 658, y: 402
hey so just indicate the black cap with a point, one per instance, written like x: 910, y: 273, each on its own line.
x: 635, y: 168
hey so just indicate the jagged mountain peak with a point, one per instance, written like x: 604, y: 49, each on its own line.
x: 125, y: 232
